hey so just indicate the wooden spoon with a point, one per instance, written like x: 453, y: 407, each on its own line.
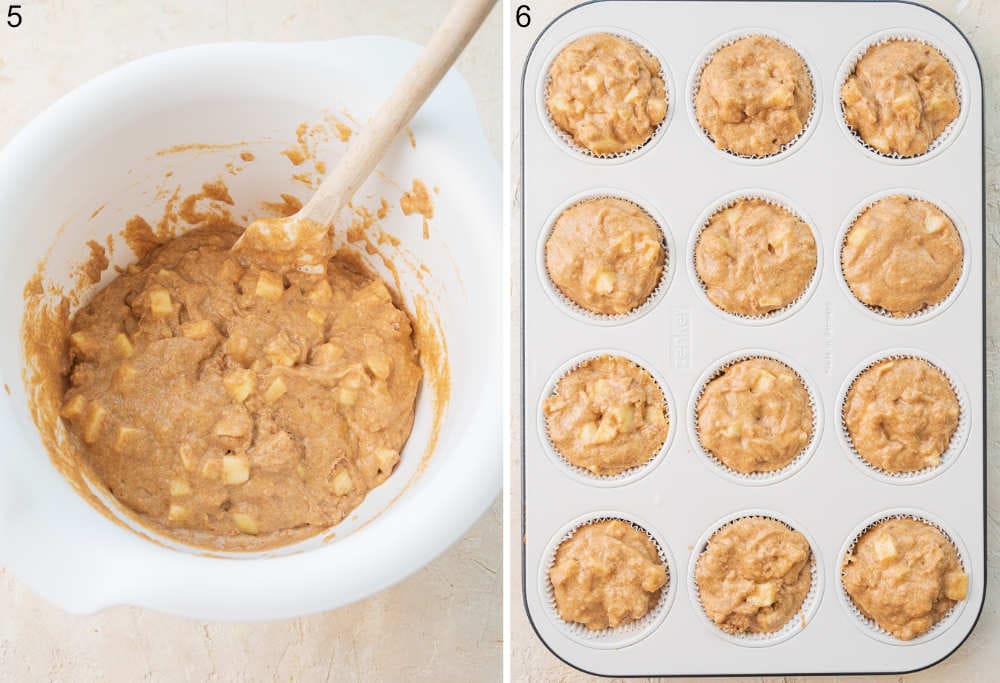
x: 302, y: 240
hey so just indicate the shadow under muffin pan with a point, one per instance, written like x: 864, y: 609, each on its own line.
x: 826, y: 337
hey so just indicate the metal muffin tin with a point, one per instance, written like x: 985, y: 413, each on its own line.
x: 681, y: 336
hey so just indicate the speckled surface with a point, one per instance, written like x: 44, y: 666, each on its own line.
x: 979, y: 658
x: 443, y: 623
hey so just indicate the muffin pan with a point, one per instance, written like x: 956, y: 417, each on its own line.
x: 827, y: 336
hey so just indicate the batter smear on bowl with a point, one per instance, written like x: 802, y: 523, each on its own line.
x: 901, y: 97
x: 607, y: 93
x: 905, y: 575
x: 607, y: 574
x: 754, y: 575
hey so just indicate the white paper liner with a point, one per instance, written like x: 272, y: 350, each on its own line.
x: 927, y: 311
x: 880, y: 38
x: 564, y: 139
x: 581, y: 474
x: 869, y: 626
x: 620, y: 636
x: 958, y: 438
x: 694, y: 83
x: 774, y: 199
x: 570, y: 306
x: 754, y: 478
x: 799, y: 620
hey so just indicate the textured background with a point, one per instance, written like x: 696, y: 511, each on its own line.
x: 444, y: 622
x: 979, y: 658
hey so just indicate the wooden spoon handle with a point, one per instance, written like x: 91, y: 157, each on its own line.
x: 409, y: 94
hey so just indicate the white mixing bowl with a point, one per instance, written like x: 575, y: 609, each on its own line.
x: 98, y: 147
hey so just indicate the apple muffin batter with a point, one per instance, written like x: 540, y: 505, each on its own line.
x: 606, y: 255
x: 900, y: 97
x: 755, y: 416
x: 216, y: 396
x: 904, y: 574
x: 902, y: 255
x: 754, y: 96
x: 607, y: 574
x: 754, y: 575
x: 607, y: 415
x: 607, y: 93
x: 901, y: 414
x: 754, y: 257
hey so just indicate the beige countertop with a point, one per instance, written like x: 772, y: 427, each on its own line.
x: 979, y: 658
x: 443, y: 623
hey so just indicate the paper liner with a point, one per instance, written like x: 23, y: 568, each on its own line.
x: 928, y: 311
x: 584, y: 475
x: 773, y: 199
x: 869, y: 626
x: 694, y: 84
x: 958, y: 437
x: 880, y: 38
x: 754, y: 478
x: 620, y: 636
x: 566, y: 140
x: 799, y: 620
x: 573, y: 308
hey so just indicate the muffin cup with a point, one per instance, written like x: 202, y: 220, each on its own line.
x: 881, y: 314
x: 754, y: 478
x: 620, y: 636
x: 564, y: 140
x: 869, y: 626
x: 847, y: 68
x: 958, y: 438
x: 570, y: 306
x: 586, y: 476
x: 694, y: 83
x: 798, y: 621
x: 726, y: 202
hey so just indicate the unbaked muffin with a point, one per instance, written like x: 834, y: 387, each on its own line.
x: 902, y: 255
x: 905, y: 575
x: 754, y: 575
x: 607, y: 93
x: 901, y: 414
x: 606, y: 255
x: 755, y: 416
x: 755, y: 257
x: 754, y: 96
x: 607, y: 574
x: 607, y: 415
x: 900, y: 97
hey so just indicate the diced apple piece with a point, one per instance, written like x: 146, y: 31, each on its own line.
x: 379, y: 363
x: 231, y: 271
x: 934, y: 223
x: 160, y: 303
x: 347, y: 397
x: 885, y: 548
x: 857, y: 236
x: 386, y: 458
x: 124, y: 375
x: 84, y: 344
x: 625, y: 417
x: 656, y: 109
x: 300, y: 470
x: 275, y: 391
x: 321, y: 293
x: 763, y: 595
x: 245, y: 523
x: 281, y: 351
x: 606, y: 431
x: 180, y: 487
x: 211, y: 468
x: 342, y: 484
x: 956, y: 585
x: 326, y: 354
x: 352, y: 380
x: 74, y: 406
x: 733, y: 430
x: 198, y: 329
x: 126, y: 436
x: 233, y: 423
x: 235, y: 470
x: 316, y: 316
x: 177, y: 512
x: 240, y: 384
x: 123, y: 345
x: 588, y: 432
x: 605, y: 282
x: 770, y: 301
x: 654, y: 414
x: 95, y: 420
x: 764, y: 381
x: 270, y: 286
x: 186, y: 454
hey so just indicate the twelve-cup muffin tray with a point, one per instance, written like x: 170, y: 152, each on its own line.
x: 828, y: 337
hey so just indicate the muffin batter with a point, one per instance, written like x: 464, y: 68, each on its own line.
x: 754, y: 575
x: 755, y: 416
x: 213, y: 395
x: 901, y: 414
x: 905, y: 575
x: 900, y: 97
x: 754, y: 96
x: 902, y: 255
x: 607, y: 574
x: 605, y: 254
x: 607, y: 93
x: 606, y: 416
x: 754, y: 258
